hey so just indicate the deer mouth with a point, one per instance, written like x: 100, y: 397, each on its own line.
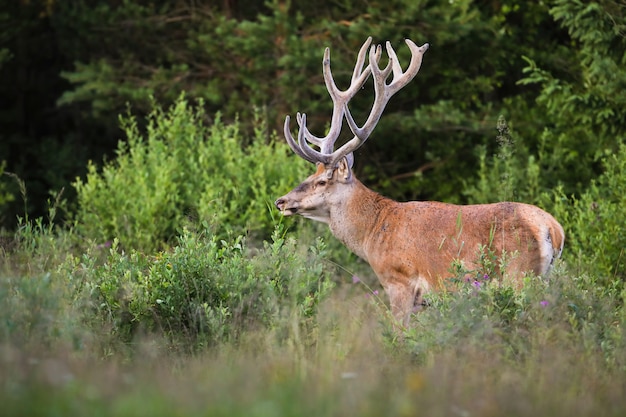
x: 288, y: 211
x: 281, y: 205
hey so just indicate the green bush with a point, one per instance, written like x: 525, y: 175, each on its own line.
x: 205, y: 290
x: 581, y: 106
x: 184, y: 168
x: 511, y: 174
x: 484, y: 314
x: 36, y: 299
x: 595, y: 223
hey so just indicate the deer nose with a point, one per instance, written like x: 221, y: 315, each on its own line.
x: 279, y: 203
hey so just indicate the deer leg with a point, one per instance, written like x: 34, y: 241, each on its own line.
x: 402, y: 299
x: 418, y: 301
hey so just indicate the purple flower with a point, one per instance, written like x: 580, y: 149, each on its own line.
x: 485, y: 277
x: 106, y: 244
x: 375, y: 292
x: 355, y: 279
x: 544, y: 303
x: 477, y: 284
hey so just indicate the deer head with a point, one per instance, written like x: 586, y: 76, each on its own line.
x: 319, y: 193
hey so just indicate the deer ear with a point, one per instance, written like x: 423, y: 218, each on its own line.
x: 343, y: 169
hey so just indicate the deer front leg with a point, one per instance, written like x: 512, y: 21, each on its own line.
x: 406, y: 297
x: 402, y: 299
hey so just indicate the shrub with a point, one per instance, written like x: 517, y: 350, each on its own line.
x: 183, y: 168
x: 36, y: 299
x: 205, y: 290
x: 595, y: 224
x: 512, y: 174
x: 564, y: 309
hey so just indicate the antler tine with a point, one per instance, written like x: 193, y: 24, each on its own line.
x: 326, y: 145
x: 311, y: 154
x: 400, y: 79
x: 340, y: 99
x: 305, y: 151
x: 292, y: 143
x: 360, y: 60
x: 383, y: 92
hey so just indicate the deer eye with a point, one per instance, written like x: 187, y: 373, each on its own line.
x: 321, y: 183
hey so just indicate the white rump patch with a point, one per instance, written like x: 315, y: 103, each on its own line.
x: 546, y: 248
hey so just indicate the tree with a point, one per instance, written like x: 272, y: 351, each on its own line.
x: 584, y: 110
x: 90, y: 59
x: 270, y: 59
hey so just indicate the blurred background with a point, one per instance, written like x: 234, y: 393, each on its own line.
x: 551, y: 71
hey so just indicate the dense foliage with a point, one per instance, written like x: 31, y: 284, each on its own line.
x: 182, y: 170
x: 204, y: 291
x: 554, y: 69
x: 221, y: 328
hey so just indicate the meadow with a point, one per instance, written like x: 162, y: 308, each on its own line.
x: 173, y: 289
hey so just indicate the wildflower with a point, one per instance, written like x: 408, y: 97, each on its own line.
x: 477, y: 284
x: 485, y: 277
x: 355, y: 279
x: 544, y: 303
x: 104, y: 245
x: 375, y: 293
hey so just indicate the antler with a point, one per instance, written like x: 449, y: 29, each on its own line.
x: 383, y: 92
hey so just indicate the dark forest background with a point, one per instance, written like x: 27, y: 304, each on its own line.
x: 552, y: 72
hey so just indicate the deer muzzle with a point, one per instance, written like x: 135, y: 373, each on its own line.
x: 282, y: 205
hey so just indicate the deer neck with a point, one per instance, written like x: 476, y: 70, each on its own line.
x: 353, y: 221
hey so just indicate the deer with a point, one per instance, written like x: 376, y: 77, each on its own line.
x: 410, y: 246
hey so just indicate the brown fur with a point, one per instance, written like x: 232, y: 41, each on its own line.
x: 411, y: 246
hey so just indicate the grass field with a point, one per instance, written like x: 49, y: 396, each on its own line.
x: 556, y: 348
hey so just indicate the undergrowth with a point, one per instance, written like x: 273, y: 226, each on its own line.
x: 143, y: 305
x: 217, y: 328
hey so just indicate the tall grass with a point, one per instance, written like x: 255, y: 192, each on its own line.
x: 201, y: 320
x: 555, y: 348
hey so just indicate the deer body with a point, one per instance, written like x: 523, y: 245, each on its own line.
x: 410, y: 246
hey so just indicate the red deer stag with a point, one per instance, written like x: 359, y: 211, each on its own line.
x: 410, y: 246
